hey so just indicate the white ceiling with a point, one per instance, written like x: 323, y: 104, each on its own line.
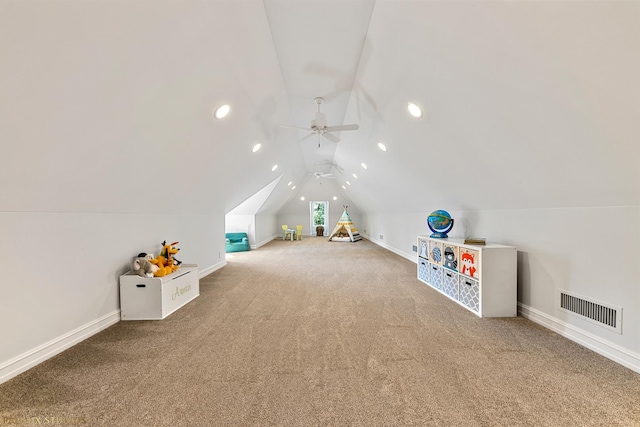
x: 527, y: 104
x: 319, y: 47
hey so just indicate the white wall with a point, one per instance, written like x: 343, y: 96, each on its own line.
x: 562, y: 248
x: 265, y: 226
x: 530, y: 137
x: 109, y: 147
x: 61, y: 273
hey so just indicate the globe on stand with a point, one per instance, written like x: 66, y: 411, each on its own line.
x: 440, y: 223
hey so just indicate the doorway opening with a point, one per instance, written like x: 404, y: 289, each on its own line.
x: 319, y: 214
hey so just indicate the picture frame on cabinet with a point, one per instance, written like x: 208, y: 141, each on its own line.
x: 435, y: 252
x: 423, y: 248
x: 469, y: 263
x: 450, y: 256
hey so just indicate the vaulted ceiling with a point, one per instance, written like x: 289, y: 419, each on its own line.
x: 113, y: 101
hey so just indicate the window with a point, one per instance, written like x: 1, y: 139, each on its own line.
x: 319, y: 212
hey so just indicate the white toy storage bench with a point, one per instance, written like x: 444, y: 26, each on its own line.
x: 154, y: 298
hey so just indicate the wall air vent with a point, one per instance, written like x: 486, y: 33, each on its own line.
x: 604, y: 315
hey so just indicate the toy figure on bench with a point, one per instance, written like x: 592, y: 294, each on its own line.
x: 143, y: 266
x: 166, y: 263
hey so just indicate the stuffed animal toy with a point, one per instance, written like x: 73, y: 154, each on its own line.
x: 168, y: 251
x: 165, y: 263
x: 163, y: 268
x: 143, y: 266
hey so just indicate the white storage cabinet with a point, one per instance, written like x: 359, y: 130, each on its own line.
x: 481, y: 278
x: 154, y: 298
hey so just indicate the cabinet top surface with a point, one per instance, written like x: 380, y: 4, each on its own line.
x: 460, y: 242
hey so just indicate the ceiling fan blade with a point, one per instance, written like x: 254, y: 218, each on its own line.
x: 320, y: 175
x: 331, y: 137
x: 342, y: 127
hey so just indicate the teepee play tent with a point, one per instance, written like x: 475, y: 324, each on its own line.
x: 345, y: 231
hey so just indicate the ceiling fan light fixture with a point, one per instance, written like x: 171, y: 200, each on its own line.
x: 320, y: 127
x: 414, y: 110
x: 382, y: 146
x: 222, y: 111
x: 256, y: 147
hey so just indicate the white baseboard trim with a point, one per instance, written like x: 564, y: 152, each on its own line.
x: 601, y: 346
x: 31, y: 358
x: 380, y: 243
x: 265, y: 241
x: 206, y: 271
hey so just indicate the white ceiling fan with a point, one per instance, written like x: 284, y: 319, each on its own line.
x: 319, y: 126
x: 320, y: 175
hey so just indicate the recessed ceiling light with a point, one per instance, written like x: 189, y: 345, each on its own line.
x: 302, y: 198
x: 335, y: 198
x: 414, y: 110
x: 355, y: 176
x: 293, y: 188
x: 382, y: 146
x: 364, y: 166
x: 256, y: 147
x: 289, y: 184
x: 348, y: 183
x: 274, y: 168
x: 344, y: 187
x: 222, y: 111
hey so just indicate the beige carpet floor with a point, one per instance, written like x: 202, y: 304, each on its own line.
x: 317, y: 333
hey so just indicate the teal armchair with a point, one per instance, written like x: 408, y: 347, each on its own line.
x: 236, y: 242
